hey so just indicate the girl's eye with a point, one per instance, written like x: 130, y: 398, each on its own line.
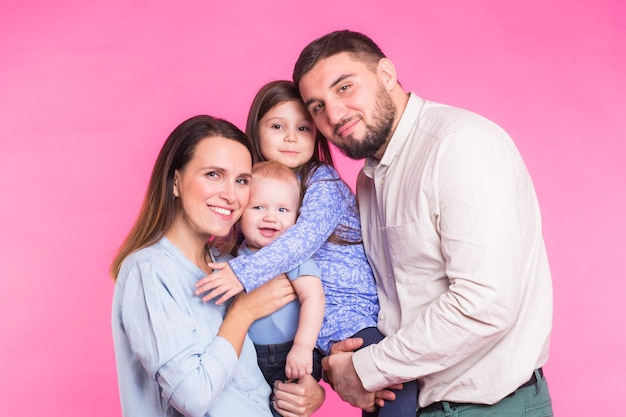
x: 277, y: 127
x: 304, y: 128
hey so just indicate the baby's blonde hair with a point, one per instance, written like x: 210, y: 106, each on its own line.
x: 277, y: 171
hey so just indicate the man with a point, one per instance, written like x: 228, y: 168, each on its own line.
x: 452, y: 229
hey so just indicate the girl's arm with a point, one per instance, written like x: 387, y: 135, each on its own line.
x: 322, y: 209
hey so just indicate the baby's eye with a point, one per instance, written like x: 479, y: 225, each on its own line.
x: 283, y: 210
x: 256, y: 208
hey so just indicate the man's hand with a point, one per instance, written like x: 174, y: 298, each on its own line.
x: 339, y: 372
x: 223, y: 281
x: 298, y: 399
x: 345, y: 381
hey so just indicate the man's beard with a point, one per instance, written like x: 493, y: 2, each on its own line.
x: 376, y: 134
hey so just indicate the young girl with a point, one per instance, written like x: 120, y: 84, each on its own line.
x: 175, y: 354
x: 328, y: 229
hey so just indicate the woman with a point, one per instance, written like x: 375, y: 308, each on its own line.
x: 175, y: 354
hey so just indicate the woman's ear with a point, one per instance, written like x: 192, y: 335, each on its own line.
x: 387, y: 73
x: 176, y: 181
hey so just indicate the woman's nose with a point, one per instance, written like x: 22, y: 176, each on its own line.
x: 228, y: 192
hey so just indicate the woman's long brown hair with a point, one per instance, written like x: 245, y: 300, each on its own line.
x: 159, y: 207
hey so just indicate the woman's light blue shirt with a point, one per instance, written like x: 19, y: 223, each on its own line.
x: 170, y: 361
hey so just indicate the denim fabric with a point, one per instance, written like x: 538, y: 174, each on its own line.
x: 272, y: 360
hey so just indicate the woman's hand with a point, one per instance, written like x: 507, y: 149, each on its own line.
x: 298, y: 399
x: 264, y: 300
x: 248, y: 307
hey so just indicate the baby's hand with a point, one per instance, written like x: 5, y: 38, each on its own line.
x: 299, y: 362
x: 222, y: 281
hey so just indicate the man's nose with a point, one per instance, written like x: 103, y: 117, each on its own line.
x: 336, y: 112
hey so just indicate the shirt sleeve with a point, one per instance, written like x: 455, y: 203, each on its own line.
x: 192, y: 373
x: 320, y: 214
x: 308, y: 267
x: 474, y: 203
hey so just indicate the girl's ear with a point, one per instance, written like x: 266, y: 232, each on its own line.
x: 387, y: 73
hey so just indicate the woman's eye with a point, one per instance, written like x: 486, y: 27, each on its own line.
x: 212, y: 174
x: 242, y: 181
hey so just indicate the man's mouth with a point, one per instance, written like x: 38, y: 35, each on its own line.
x: 346, y: 127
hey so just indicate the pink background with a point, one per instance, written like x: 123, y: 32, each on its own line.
x: 88, y: 93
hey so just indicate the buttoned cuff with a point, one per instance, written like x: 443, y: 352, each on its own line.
x: 369, y: 374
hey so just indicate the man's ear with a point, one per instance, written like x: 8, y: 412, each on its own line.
x: 387, y: 73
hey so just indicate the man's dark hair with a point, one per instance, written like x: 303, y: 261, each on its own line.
x: 355, y: 43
